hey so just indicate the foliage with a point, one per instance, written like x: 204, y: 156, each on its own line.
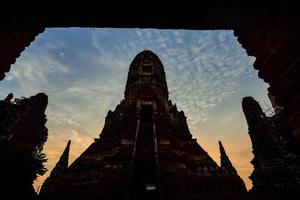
x: 20, y: 161
x: 22, y: 136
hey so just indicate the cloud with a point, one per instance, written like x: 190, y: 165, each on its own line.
x: 32, y: 71
x: 203, y: 68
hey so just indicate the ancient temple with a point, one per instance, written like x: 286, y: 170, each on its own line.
x: 145, y: 151
x: 276, y: 152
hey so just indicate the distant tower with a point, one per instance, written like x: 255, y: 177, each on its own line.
x: 63, y: 162
x: 59, y: 169
x: 145, y: 150
x: 225, y: 162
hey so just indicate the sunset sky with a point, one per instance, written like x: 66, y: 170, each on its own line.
x: 83, y: 72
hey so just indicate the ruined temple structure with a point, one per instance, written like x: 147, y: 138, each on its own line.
x: 145, y: 151
x: 267, y: 31
x: 276, y: 152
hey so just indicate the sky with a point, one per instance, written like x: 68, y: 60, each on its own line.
x: 83, y: 71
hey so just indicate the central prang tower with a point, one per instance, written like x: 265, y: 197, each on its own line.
x: 146, y: 73
x: 145, y: 151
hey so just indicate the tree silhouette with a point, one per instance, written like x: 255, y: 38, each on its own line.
x: 22, y: 136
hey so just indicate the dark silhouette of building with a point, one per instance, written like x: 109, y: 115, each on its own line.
x: 267, y: 31
x: 276, y: 153
x: 60, y: 167
x: 145, y: 151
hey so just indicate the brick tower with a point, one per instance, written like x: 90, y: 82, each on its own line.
x: 145, y: 151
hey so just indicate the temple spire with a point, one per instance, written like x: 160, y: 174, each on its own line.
x: 225, y: 162
x: 146, y: 77
x: 63, y: 161
x: 59, y: 169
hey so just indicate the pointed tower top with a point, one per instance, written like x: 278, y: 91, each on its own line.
x: 222, y: 150
x: 146, y: 73
x: 63, y: 161
x: 225, y: 162
x: 58, y: 170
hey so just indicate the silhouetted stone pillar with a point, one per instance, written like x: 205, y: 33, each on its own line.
x: 276, y: 169
x: 275, y: 42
